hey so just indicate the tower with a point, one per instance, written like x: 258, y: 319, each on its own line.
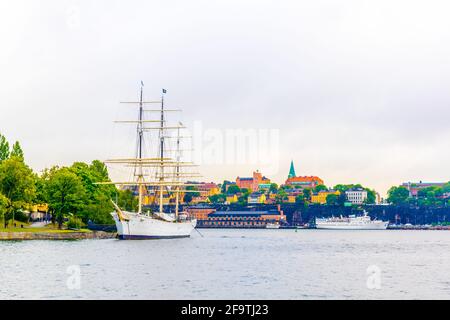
x: 292, y: 170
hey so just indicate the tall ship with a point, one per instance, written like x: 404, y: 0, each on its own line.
x: 352, y: 222
x: 160, y: 174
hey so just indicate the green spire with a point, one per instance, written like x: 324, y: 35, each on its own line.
x: 292, y: 171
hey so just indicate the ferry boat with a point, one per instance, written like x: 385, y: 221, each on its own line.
x: 351, y: 222
x: 161, y: 173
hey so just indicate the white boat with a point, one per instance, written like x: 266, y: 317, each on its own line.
x: 160, y: 175
x: 351, y: 222
x: 272, y: 226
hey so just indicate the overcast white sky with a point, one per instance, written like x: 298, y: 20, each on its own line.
x: 359, y: 90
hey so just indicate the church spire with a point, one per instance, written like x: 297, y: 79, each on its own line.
x: 292, y: 170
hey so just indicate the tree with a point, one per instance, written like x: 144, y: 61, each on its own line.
x: 398, y: 195
x: 65, y: 193
x: 127, y: 200
x: 224, y: 186
x: 217, y: 198
x: 300, y: 200
x: 371, y: 196
x: 320, y: 187
x: 332, y: 199
x: 17, y: 183
x: 307, y: 194
x: 98, y: 205
x: 4, y: 148
x: 17, y: 151
x: 233, y: 189
x: 281, y: 196
x: 273, y: 188
x: 4, y: 203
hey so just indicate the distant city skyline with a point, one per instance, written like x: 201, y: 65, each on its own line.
x: 349, y: 92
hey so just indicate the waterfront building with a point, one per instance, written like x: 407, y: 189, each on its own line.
x: 199, y: 212
x: 356, y: 196
x: 252, y: 183
x: 242, y: 219
x: 302, y: 181
x: 321, y: 196
x: 256, y: 197
x: 415, y: 187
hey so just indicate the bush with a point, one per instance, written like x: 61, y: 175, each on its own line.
x: 74, y: 223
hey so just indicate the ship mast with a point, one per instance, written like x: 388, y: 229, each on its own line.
x: 139, y: 156
x: 161, y: 153
x: 177, y: 174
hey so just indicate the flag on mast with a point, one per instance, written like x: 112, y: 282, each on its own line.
x: 164, y: 90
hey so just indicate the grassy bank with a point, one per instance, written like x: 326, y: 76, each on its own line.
x: 50, y: 228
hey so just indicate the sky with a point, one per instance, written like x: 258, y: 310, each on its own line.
x: 351, y: 91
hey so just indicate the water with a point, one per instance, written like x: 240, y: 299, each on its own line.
x: 233, y: 264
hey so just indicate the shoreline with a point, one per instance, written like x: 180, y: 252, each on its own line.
x: 18, y: 236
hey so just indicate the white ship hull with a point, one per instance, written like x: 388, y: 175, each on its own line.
x: 139, y: 227
x: 347, y: 226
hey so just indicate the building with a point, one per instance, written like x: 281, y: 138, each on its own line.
x: 208, y: 189
x: 242, y: 219
x: 231, y: 199
x: 292, y: 194
x: 415, y: 187
x: 256, y: 197
x: 200, y: 212
x: 321, y: 196
x: 302, y: 181
x: 356, y: 196
x: 252, y: 183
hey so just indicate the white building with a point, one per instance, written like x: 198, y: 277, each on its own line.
x: 356, y: 196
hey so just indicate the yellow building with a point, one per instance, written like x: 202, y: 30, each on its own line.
x: 291, y: 199
x: 232, y: 199
x: 43, y: 207
x: 256, y: 197
x: 321, y: 196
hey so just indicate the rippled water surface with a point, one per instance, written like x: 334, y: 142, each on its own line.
x: 233, y: 264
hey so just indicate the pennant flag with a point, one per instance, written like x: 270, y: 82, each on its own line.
x: 164, y: 90
x: 142, y: 83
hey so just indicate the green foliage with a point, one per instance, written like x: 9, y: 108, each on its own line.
x: 74, y: 223
x: 193, y: 188
x: 4, y: 204
x: 307, y: 194
x: 397, y: 195
x: 371, y: 196
x: 17, y: 151
x: 300, y: 200
x: 217, y: 198
x: 65, y: 193
x: 127, y: 200
x: 332, y: 199
x: 319, y: 188
x: 281, y: 196
x: 273, y: 188
x: 224, y: 186
x: 17, y: 183
x: 233, y: 189
x: 4, y: 148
